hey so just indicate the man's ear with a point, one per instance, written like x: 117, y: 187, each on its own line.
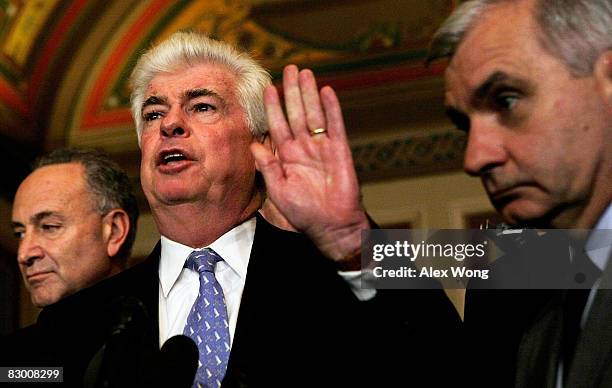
x: 603, y: 75
x: 116, y: 228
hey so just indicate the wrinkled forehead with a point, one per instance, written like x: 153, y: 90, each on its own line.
x: 503, y: 39
x: 204, y: 75
x: 55, y: 187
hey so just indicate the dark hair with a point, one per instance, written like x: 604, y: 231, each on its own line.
x: 108, y: 183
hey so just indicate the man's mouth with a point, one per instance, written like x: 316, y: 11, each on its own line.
x: 505, y: 195
x: 37, y: 276
x: 173, y: 157
x: 170, y: 157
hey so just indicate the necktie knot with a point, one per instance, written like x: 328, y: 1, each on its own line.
x: 203, y: 260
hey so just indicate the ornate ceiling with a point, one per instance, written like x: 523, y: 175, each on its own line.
x: 64, y: 66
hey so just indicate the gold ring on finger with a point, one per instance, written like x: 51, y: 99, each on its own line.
x: 318, y: 131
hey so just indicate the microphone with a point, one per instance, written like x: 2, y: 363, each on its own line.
x: 176, y: 364
x: 110, y: 367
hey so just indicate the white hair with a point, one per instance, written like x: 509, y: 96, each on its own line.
x: 186, y: 49
x: 575, y: 31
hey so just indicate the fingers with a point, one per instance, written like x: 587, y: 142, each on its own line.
x: 304, y: 110
x: 315, y: 118
x: 293, y: 102
x: 279, y: 130
x: 307, y: 109
x: 333, y: 114
x: 341, y: 151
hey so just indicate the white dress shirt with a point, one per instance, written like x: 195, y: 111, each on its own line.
x: 178, y: 286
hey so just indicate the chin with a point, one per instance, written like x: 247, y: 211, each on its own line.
x: 174, y: 196
x: 44, y: 300
x: 525, y: 213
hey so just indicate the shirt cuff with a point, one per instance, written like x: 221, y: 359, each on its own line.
x: 353, y: 278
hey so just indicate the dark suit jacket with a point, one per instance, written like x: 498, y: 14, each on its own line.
x: 299, y: 324
x: 539, y: 350
x: 297, y: 321
x: 516, y: 335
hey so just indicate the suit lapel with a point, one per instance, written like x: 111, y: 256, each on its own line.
x: 539, y: 350
x: 146, y: 286
x: 540, y: 347
x: 246, y: 333
x: 594, y: 345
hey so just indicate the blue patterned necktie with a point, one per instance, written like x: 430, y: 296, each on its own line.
x: 207, y: 323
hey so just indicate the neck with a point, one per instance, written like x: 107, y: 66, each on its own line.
x: 198, y: 224
x: 584, y: 217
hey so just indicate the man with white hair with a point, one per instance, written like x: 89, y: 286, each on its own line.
x: 263, y: 306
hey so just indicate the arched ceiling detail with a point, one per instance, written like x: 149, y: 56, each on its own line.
x: 64, y: 64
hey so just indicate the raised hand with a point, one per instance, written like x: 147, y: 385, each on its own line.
x: 311, y: 179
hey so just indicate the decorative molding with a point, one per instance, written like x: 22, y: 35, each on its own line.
x: 386, y: 47
x: 409, y: 155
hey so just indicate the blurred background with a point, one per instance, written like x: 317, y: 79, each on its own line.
x: 64, y: 68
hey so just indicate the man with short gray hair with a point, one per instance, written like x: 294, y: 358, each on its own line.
x: 530, y: 82
x: 75, y: 217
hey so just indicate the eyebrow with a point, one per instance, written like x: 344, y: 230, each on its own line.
x: 203, y: 92
x: 187, y: 96
x: 485, y: 88
x: 36, y: 218
x: 154, y: 100
x: 200, y: 92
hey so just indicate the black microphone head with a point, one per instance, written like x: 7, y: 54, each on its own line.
x: 178, y: 362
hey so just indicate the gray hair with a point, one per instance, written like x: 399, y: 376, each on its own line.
x: 184, y: 49
x: 109, y: 184
x: 575, y: 31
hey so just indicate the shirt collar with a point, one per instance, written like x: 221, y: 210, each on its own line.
x: 599, y: 244
x: 234, y: 247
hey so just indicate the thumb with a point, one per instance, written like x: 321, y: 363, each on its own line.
x: 268, y: 164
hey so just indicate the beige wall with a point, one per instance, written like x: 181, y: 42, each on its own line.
x: 437, y: 202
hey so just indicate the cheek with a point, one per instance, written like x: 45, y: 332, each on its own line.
x: 146, y: 164
x: 230, y: 147
x: 146, y: 151
x: 84, y: 266
x: 241, y: 155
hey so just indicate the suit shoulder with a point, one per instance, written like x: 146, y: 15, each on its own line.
x: 18, y: 346
x: 289, y: 247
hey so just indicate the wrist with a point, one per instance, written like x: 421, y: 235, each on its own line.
x: 350, y: 262
x: 343, y: 245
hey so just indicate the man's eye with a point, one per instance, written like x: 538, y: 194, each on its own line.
x: 506, y: 101
x: 50, y: 228
x: 150, y: 116
x: 19, y: 234
x: 203, y: 107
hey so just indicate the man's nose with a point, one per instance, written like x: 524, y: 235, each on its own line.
x: 485, y: 148
x: 173, y: 124
x: 29, y: 250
